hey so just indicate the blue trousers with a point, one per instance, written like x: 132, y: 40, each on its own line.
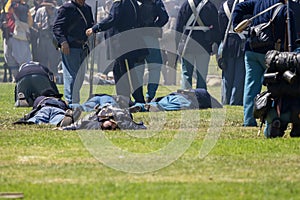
x: 48, y: 115
x: 200, y: 61
x: 154, y: 64
x: 255, y: 67
x: 73, y: 74
x: 233, y: 77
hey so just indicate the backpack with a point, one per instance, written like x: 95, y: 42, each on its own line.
x: 33, y: 80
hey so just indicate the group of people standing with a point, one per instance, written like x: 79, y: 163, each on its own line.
x: 73, y: 23
x: 27, y: 34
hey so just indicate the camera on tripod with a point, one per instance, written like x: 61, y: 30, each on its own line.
x: 282, y: 66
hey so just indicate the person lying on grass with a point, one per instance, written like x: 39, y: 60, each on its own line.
x: 106, y: 115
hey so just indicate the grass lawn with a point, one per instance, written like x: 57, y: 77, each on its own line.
x: 43, y: 163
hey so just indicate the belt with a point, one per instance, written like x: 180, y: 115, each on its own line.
x: 82, y: 42
x: 79, y: 44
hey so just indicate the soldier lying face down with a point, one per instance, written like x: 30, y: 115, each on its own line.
x: 106, y: 117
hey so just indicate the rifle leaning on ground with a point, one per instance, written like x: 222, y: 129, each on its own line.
x: 288, y: 19
x: 92, y: 54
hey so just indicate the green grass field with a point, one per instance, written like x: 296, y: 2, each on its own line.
x: 43, y: 163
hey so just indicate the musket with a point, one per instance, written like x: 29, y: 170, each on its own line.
x: 93, y: 54
x: 288, y: 26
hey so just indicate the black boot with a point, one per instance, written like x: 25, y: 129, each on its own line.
x: 295, y: 132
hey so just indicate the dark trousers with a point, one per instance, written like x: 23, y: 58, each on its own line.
x: 127, y: 81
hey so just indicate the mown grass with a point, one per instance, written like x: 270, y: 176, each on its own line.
x: 44, y: 163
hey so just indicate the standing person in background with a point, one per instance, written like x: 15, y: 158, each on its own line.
x: 233, y: 69
x: 153, y: 14
x: 169, y: 66
x: 44, y: 20
x: 205, y: 34
x: 255, y: 57
x: 16, y: 27
x: 33, y: 30
x: 295, y: 7
x: 73, y: 19
x: 123, y: 16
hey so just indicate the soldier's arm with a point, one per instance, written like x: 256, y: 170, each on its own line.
x: 163, y: 16
x: 111, y: 20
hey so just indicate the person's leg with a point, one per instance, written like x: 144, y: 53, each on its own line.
x: 238, y: 82
x: 276, y: 125
x: 121, y: 78
x: 255, y: 67
x: 187, y: 72
x: 73, y: 74
x: 154, y: 63
x: 227, y: 81
x: 48, y: 115
x: 41, y: 56
x: 11, y: 62
x: 138, y: 72
x: 21, y: 51
x: 136, y: 86
x: 202, y: 61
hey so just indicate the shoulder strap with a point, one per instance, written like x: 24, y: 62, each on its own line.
x: 228, y: 15
x: 226, y: 9
x: 82, y: 16
x: 196, y: 13
x: 276, y: 11
x: 229, y: 25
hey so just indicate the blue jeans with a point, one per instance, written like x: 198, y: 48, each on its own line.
x: 233, y: 78
x: 154, y: 64
x: 201, y: 62
x: 48, y: 115
x: 255, y: 68
x: 73, y: 74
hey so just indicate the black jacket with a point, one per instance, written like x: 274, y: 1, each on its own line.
x: 70, y: 26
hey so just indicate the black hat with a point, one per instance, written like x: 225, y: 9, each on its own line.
x: 48, y: 3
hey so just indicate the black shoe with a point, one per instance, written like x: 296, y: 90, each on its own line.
x: 76, y: 113
x: 134, y: 109
x: 295, y: 132
x: 277, y: 128
x: 68, y: 119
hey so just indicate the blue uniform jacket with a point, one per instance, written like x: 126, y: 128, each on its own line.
x: 158, y: 14
x: 209, y: 16
x: 253, y: 7
x: 70, y: 26
x: 295, y: 7
x: 235, y: 45
x: 123, y: 16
